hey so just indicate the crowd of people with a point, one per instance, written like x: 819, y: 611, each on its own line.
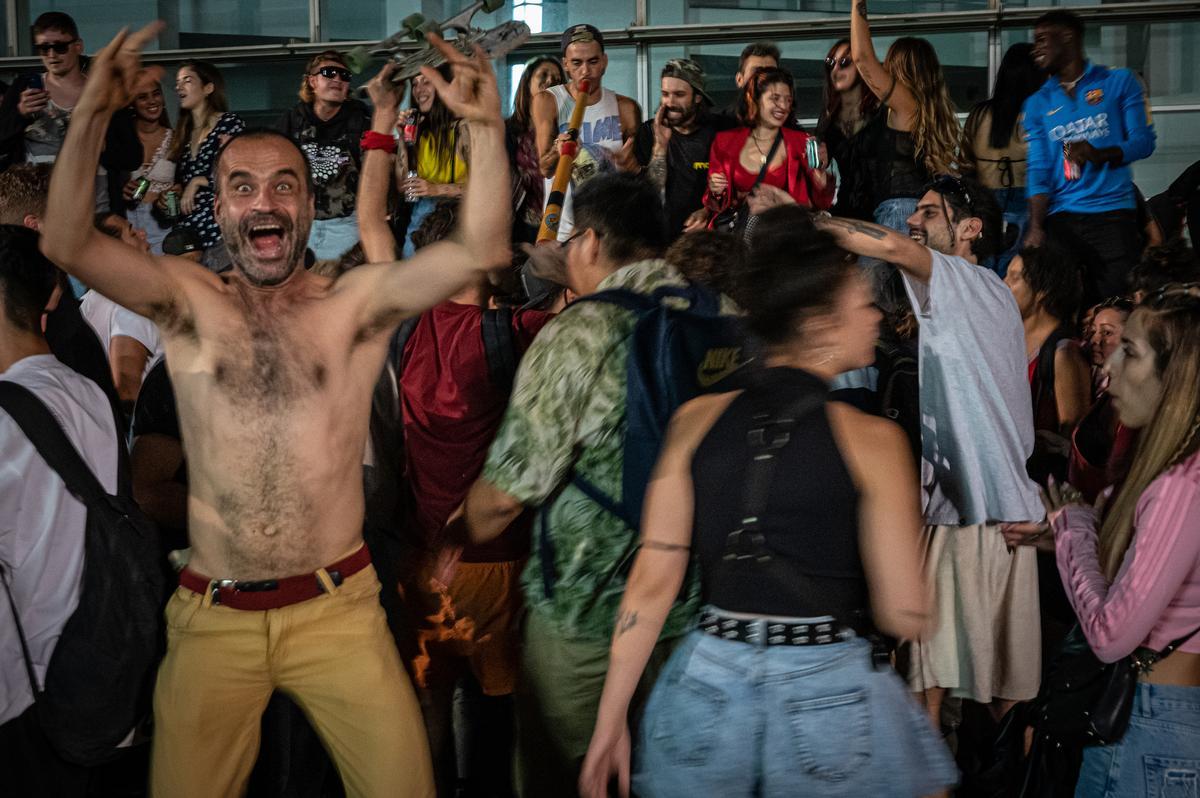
x: 792, y: 464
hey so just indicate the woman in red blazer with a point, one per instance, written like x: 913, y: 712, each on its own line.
x: 737, y: 155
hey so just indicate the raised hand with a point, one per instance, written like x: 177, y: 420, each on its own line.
x: 383, y: 93
x: 115, y: 71
x: 472, y: 94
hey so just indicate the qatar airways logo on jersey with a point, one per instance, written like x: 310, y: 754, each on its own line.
x: 1090, y: 127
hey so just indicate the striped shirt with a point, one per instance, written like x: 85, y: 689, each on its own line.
x: 1155, y: 597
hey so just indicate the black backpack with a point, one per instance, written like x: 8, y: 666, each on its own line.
x: 100, y: 677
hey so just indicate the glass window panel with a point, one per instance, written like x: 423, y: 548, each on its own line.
x: 1177, y: 148
x: 1165, y: 54
x: 259, y: 91
x: 376, y: 19
x: 963, y: 57
x: 97, y: 22
x: 680, y: 12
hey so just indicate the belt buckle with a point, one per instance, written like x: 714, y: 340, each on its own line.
x: 220, y: 584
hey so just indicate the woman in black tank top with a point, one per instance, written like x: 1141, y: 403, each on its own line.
x: 803, y: 518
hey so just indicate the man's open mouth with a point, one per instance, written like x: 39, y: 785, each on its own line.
x: 266, y: 239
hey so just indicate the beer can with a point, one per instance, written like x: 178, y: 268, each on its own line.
x: 171, y: 198
x: 139, y: 192
x: 408, y: 195
x: 1070, y: 168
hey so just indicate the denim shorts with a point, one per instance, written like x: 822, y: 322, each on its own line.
x: 733, y: 719
x: 1159, y: 756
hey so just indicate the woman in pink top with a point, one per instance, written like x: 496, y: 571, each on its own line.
x: 1136, y: 582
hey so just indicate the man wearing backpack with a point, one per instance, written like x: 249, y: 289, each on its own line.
x: 41, y: 523
x: 561, y: 448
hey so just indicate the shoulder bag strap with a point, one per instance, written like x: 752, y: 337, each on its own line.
x: 767, y: 163
x: 44, y: 432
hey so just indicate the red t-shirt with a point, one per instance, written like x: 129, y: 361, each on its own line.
x: 451, y: 413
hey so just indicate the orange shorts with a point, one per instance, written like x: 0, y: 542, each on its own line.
x: 470, y: 623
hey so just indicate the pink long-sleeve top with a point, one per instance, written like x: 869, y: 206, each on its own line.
x: 1155, y: 597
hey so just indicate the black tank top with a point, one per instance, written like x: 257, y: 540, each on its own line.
x: 810, y: 525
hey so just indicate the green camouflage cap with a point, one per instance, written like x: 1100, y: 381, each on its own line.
x: 688, y: 71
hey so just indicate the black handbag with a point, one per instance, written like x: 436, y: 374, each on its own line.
x: 1084, y: 701
x: 736, y: 219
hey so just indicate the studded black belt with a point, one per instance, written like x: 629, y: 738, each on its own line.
x: 771, y: 631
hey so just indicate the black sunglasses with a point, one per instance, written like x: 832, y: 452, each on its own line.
x: 59, y: 47
x: 949, y: 184
x: 333, y: 72
x: 843, y: 62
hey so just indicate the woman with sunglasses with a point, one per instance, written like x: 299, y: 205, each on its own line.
x: 541, y: 72
x: 327, y: 124
x: 204, y: 125
x: 148, y: 116
x: 850, y: 126
x: 1131, y: 565
x: 993, y: 143
x: 767, y: 143
x: 434, y: 167
x: 803, y: 521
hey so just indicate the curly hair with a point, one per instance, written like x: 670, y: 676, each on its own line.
x: 710, y: 258
x: 1174, y: 262
x: 756, y: 86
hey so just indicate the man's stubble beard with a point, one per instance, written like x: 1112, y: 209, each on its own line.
x: 239, y: 245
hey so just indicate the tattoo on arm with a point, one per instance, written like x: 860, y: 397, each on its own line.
x: 861, y: 6
x: 626, y: 620
x: 655, y: 544
x: 657, y: 171
x: 855, y: 226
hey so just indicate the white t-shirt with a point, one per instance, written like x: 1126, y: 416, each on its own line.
x: 976, y: 414
x: 41, y: 524
x: 109, y: 320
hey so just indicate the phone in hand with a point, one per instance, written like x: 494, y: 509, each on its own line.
x: 36, y: 82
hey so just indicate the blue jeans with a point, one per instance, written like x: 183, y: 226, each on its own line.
x: 1016, y: 214
x: 330, y: 238
x: 892, y: 214
x: 733, y: 719
x: 1159, y: 756
x: 421, y: 208
x: 141, y: 217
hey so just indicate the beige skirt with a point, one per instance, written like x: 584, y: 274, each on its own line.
x: 986, y: 640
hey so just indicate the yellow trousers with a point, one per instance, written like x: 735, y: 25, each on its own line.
x: 333, y: 655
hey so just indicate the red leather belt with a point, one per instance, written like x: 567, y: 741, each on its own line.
x: 271, y: 594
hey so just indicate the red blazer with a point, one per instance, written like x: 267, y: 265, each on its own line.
x: 723, y: 156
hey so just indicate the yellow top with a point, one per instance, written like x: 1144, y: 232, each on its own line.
x: 435, y: 170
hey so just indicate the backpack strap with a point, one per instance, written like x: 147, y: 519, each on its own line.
x: 43, y: 430
x: 20, y: 634
x: 500, y: 346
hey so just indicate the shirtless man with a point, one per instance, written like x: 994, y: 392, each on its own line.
x: 610, y: 122
x: 273, y: 370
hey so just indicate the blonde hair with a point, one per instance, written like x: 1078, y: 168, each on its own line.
x: 1171, y: 318
x: 306, y: 91
x: 913, y: 63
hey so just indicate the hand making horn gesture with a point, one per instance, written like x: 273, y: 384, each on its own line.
x: 472, y: 94
x: 116, y: 71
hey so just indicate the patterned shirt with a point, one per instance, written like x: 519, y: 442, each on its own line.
x: 567, y: 414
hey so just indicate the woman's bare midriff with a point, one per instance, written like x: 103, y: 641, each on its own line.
x: 1181, y: 669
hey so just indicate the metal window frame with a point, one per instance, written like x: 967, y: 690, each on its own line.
x: 642, y: 36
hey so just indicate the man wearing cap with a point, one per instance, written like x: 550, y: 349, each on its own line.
x: 610, y: 121
x: 673, y: 146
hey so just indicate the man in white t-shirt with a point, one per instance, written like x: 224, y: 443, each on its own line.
x: 131, y: 341
x: 976, y: 434
x: 41, y: 523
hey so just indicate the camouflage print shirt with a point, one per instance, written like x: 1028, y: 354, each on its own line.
x: 567, y: 414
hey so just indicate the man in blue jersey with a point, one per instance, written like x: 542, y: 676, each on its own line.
x: 1085, y: 126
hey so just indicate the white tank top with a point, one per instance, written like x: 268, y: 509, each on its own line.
x: 599, y: 137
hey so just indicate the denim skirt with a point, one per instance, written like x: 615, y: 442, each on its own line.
x: 1159, y: 756
x: 734, y: 719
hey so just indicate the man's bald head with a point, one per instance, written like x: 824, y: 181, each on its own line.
x: 260, y: 134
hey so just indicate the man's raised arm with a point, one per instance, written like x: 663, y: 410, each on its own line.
x: 128, y: 277
x: 875, y: 241
x: 390, y: 292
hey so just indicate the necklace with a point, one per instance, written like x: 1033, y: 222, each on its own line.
x: 1070, y: 85
x: 762, y: 156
